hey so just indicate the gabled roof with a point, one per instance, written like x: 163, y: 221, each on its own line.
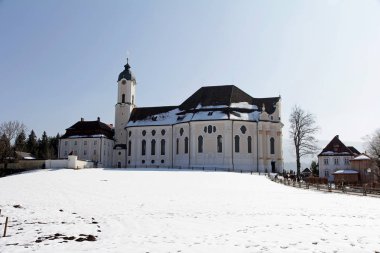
x: 354, y: 150
x: 89, y: 129
x: 337, y: 148
x: 362, y: 157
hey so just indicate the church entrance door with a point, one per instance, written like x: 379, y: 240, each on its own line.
x: 273, y: 164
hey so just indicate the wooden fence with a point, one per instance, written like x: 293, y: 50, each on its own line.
x: 354, y: 190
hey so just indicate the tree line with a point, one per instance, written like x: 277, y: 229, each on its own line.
x: 13, y: 138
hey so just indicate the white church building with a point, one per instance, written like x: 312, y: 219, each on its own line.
x: 218, y: 127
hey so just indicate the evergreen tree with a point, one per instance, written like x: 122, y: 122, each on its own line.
x: 43, y: 146
x: 53, y: 146
x: 5, y: 149
x: 314, y: 168
x: 20, y: 142
x: 31, y: 143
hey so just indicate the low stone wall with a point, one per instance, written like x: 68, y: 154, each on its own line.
x: 25, y: 164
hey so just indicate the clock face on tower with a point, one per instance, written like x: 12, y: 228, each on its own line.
x: 123, y: 82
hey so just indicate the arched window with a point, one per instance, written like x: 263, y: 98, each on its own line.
x: 162, y: 147
x: 129, y: 148
x: 200, y: 144
x: 249, y: 144
x: 153, y: 147
x: 177, y: 146
x: 237, y: 143
x: 133, y: 99
x: 143, y: 147
x: 272, y: 146
x: 219, y: 144
x: 186, y: 145
x: 123, y: 98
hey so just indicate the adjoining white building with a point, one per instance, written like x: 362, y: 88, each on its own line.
x: 88, y: 140
x: 217, y: 127
x: 335, y: 156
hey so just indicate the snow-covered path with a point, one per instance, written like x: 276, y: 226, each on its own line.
x: 180, y: 211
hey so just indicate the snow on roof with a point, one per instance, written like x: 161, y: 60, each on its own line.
x: 211, y: 115
x: 346, y: 172
x: 86, y: 136
x: 244, y: 105
x: 362, y: 157
x: 250, y: 116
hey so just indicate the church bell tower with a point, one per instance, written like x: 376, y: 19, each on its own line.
x: 126, y: 88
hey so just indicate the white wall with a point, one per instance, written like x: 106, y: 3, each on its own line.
x: 331, y: 167
x: 96, y: 149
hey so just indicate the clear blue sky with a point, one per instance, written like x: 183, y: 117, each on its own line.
x: 59, y: 60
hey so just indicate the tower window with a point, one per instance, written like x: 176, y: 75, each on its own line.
x: 143, y: 132
x: 200, y: 144
x: 123, y: 98
x: 181, y: 131
x: 153, y: 132
x: 272, y: 146
x: 133, y: 100
x: 177, y: 146
x: 163, y: 131
x: 209, y: 129
x: 243, y: 129
x: 129, y: 148
x: 237, y: 143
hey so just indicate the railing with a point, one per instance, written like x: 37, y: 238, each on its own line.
x: 353, y: 190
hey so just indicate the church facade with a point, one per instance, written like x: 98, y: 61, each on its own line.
x: 218, y: 127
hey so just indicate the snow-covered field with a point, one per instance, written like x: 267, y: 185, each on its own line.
x: 179, y: 211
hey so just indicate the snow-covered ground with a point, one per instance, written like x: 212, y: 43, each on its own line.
x: 179, y: 211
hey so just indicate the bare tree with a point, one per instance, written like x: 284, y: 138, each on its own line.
x: 372, y: 145
x: 302, y: 130
x: 11, y: 129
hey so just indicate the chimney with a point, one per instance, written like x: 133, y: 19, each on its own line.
x: 98, y: 119
x: 81, y: 119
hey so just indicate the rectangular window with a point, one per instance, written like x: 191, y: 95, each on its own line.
x: 95, y: 142
x: 85, y: 143
x: 65, y: 143
x: 94, y: 151
x: 326, y: 161
x: 336, y: 161
x: 84, y: 152
x: 346, y: 161
x: 75, y: 142
x: 327, y: 173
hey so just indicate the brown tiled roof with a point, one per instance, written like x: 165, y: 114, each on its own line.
x: 89, y: 128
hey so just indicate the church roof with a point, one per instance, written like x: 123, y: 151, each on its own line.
x: 207, y: 103
x: 226, y: 95
x: 126, y: 73
x: 83, y: 129
x: 337, y: 148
